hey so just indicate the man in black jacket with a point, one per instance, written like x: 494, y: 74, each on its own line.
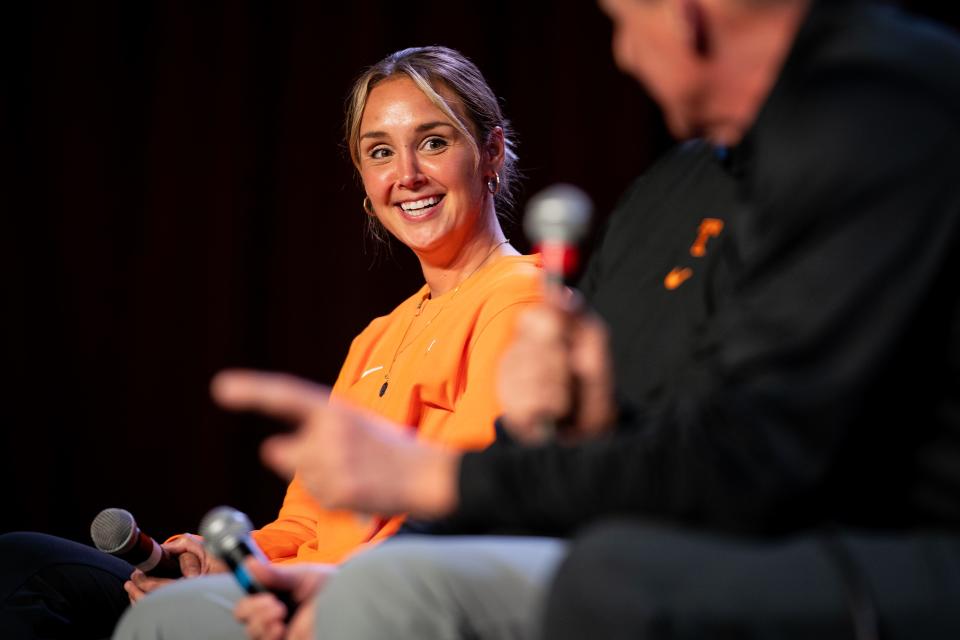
x: 814, y: 407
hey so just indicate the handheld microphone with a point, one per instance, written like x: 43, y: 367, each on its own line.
x: 556, y: 220
x: 226, y: 534
x: 114, y: 531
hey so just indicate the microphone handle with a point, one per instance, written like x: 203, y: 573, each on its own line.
x: 167, y: 567
x: 157, y: 562
x: 234, y: 558
x: 559, y: 259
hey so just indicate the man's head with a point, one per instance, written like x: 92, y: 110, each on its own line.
x: 709, y: 64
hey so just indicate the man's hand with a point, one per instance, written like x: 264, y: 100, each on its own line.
x: 347, y: 459
x: 194, y: 561
x: 557, y: 371
x: 265, y: 617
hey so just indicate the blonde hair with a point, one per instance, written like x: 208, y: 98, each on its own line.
x: 434, y: 69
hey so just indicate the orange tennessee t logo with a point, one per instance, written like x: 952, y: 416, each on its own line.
x: 709, y: 228
x: 677, y: 277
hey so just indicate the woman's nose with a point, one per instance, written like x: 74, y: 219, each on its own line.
x: 410, y: 174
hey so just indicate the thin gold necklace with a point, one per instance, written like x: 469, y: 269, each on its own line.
x: 401, y: 347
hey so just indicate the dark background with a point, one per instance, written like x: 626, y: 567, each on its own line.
x: 176, y: 198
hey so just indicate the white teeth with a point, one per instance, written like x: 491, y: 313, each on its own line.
x: 420, y: 204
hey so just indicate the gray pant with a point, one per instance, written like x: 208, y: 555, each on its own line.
x: 631, y: 579
x: 195, y: 608
x: 419, y: 587
x: 441, y: 588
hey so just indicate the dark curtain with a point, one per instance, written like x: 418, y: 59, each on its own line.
x: 176, y: 199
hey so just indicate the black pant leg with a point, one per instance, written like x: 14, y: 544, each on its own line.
x: 913, y: 580
x: 56, y: 588
x: 629, y: 580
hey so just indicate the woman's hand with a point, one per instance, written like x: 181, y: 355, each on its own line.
x: 194, y: 561
x: 265, y: 618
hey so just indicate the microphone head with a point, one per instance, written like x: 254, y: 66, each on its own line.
x: 222, y: 527
x: 558, y: 214
x: 112, y: 530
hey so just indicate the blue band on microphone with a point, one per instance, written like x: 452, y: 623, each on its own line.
x: 243, y: 577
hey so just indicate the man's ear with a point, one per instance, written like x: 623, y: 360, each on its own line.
x: 696, y: 23
x: 494, y: 150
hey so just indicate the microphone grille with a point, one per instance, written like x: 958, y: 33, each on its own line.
x: 112, y: 529
x: 223, y: 527
x: 559, y: 213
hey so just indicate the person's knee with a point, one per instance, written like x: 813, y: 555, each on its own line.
x: 610, y: 549
x: 147, y: 619
x: 137, y: 623
x: 660, y: 582
x: 187, y: 608
x: 440, y: 588
x: 15, y: 539
x: 27, y: 552
x: 23, y: 545
x: 52, y: 560
x: 398, y: 568
x: 144, y: 619
x: 618, y: 566
x: 395, y: 590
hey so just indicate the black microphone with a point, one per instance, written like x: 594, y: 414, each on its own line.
x: 114, y: 531
x: 226, y: 534
x: 557, y: 218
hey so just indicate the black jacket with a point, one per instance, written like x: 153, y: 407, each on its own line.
x: 813, y: 376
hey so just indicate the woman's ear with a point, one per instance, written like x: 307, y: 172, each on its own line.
x: 494, y: 150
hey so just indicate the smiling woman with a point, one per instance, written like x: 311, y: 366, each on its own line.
x: 426, y: 181
x: 458, y: 91
x: 434, y: 154
x: 435, y: 158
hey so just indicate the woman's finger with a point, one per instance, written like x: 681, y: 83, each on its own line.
x: 262, y: 615
x: 190, y: 565
x: 133, y: 592
x: 301, y: 626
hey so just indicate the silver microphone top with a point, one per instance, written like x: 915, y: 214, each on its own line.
x: 560, y: 214
x: 112, y: 530
x: 222, y: 527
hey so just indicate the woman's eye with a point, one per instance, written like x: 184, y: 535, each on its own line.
x: 435, y: 143
x: 379, y: 153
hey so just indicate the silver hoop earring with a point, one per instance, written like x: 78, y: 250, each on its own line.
x: 368, y: 206
x: 493, y: 184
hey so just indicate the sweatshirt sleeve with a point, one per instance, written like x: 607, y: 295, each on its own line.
x: 295, y: 524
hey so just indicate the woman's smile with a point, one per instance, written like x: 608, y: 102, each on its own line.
x: 420, y: 209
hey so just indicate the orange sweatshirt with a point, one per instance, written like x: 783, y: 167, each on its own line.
x: 441, y: 357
